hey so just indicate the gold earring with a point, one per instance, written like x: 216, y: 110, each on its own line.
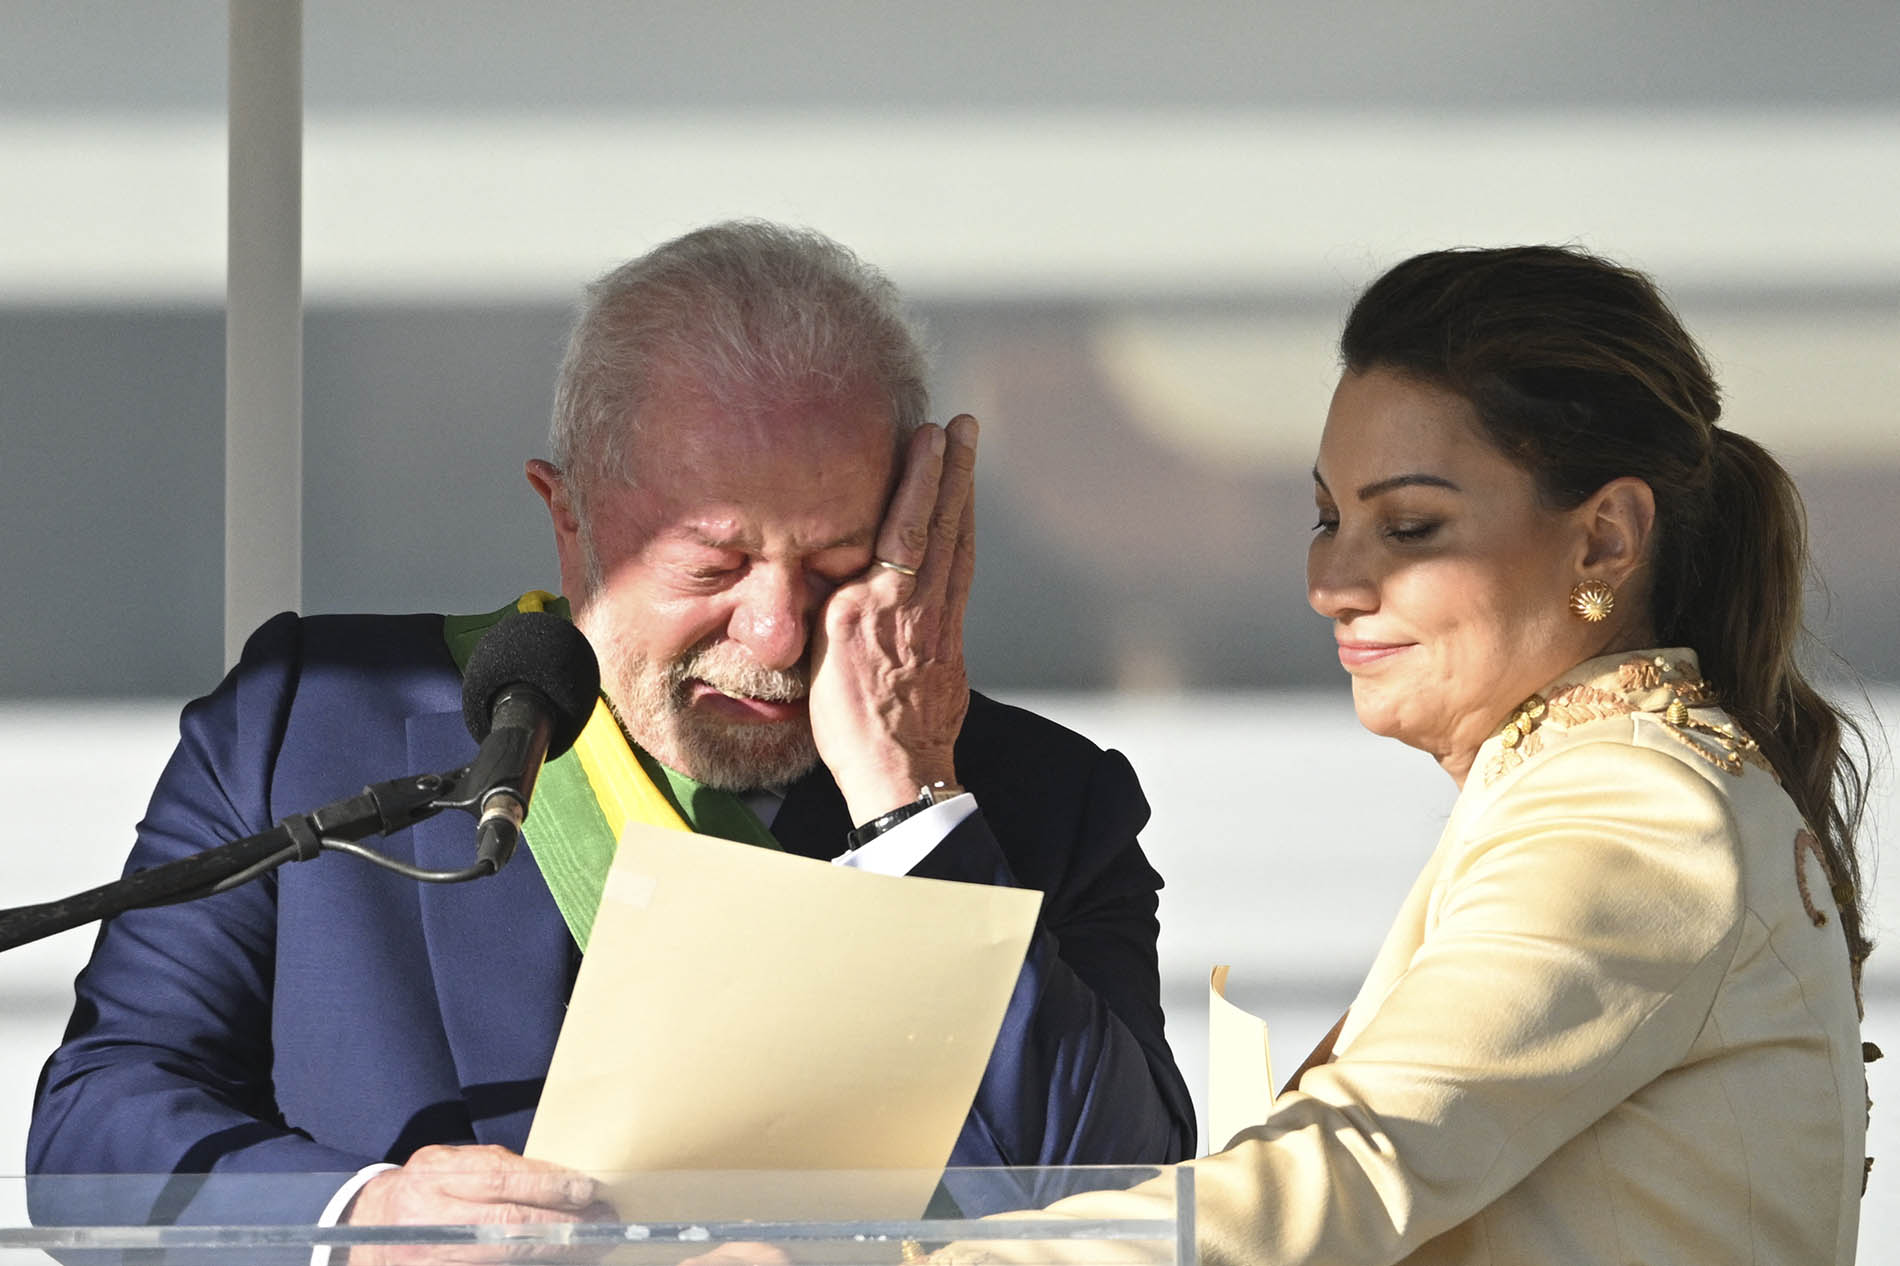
x: 1592, y: 601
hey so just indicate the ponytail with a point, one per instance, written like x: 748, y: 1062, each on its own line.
x: 1736, y: 598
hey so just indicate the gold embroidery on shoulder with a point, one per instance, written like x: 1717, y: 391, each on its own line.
x: 1804, y: 842
x: 1519, y: 738
x: 1727, y: 747
x: 1574, y: 705
x: 1639, y: 674
x: 1692, y: 689
x: 1722, y: 746
x: 1523, y: 723
x: 1719, y: 749
x: 1514, y: 753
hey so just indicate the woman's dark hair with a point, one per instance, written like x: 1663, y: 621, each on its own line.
x: 1580, y: 372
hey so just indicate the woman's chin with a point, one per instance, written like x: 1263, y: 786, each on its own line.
x: 1380, y: 723
x: 1375, y: 716
x: 1379, y: 716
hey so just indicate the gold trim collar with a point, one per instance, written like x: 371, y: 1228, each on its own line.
x: 1666, y: 683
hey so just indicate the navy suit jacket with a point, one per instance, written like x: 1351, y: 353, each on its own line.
x: 333, y: 1014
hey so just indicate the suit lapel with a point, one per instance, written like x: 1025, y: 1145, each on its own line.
x: 499, y: 952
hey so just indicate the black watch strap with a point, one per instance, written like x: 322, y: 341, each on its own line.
x: 932, y: 793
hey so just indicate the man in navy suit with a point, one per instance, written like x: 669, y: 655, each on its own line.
x: 770, y: 551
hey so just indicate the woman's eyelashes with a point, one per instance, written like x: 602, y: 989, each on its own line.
x: 1410, y: 531
x: 1397, y: 531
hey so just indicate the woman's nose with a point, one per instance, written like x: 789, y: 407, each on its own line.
x: 1338, y: 584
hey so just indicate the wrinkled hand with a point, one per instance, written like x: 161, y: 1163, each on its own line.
x: 460, y: 1186
x: 889, y: 689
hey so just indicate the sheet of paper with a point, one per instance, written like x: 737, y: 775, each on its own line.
x: 1239, y: 1065
x: 751, y: 1012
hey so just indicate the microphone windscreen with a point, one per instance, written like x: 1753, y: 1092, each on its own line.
x: 533, y: 648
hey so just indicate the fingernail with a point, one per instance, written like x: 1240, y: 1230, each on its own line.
x: 966, y: 429
x: 936, y: 441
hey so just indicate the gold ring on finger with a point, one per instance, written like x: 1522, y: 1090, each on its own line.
x: 899, y: 568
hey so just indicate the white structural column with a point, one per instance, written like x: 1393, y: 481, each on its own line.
x: 263, y: 319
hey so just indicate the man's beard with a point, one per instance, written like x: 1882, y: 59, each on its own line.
x: 650, y: 700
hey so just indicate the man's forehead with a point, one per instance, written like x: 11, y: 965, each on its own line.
x: 742, y: 395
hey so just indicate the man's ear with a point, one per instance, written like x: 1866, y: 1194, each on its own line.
x: 552, y: 487
x: 1619, y: 522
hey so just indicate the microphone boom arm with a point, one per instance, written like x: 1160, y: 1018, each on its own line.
x: 528, y: 690
x: 379, y: 809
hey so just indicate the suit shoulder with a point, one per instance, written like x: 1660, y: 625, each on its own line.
x: 1025, y: 732
x: 369, y: 635
x: 1063, y: 808
x: 1029, y: 757
x: 348, y: 643
x: 1002, y: 742
x: 295, y: 665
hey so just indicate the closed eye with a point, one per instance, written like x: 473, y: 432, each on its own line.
x: 710, y: 575
x: 1411, y: 532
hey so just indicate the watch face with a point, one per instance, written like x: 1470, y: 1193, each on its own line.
x: 938, y: 792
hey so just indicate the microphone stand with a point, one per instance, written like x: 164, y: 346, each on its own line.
x: 379, y: 809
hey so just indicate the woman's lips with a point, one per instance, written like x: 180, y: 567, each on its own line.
x: 702, y: 694
x: 1366, y: 654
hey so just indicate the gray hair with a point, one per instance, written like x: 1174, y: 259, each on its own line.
x: 748, y: 312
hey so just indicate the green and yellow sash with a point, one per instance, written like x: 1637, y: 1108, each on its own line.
x: 587, y: 795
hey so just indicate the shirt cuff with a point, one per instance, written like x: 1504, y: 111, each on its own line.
x: 898, y: 850
x: 333, y: 1212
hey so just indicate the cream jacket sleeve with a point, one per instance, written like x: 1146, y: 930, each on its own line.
x: 1560, y: 951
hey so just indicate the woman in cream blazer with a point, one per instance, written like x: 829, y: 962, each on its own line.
x: 1616, y: 1020
x: 1613, y: 1022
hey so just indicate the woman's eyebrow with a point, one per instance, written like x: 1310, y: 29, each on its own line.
x: 1396, y: 481
x: 1378, y: 486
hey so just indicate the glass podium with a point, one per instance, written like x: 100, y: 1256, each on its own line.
x: 805, y: 1217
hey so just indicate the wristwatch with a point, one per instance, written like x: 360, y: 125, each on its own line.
x: 928, y: 794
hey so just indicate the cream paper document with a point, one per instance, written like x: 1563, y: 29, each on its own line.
x: 1239, y: 1065
x: 778, y: 1020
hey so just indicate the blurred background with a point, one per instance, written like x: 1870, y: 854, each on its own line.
x: 1131, y: 232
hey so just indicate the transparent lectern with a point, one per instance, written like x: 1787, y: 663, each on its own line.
x: 806, y: 1217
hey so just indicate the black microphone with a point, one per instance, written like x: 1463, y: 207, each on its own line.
x: 527, y: 694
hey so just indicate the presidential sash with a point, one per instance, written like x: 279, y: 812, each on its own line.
x: 587, y: 795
